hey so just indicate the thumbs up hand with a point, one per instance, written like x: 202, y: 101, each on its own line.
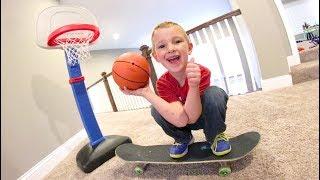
x: 193, y: 73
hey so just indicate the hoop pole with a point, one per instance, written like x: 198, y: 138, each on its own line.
x: 81, y: 96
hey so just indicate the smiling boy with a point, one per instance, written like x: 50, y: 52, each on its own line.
x: 186, y: 101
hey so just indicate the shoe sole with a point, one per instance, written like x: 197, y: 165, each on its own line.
x: 177, y: 156
x: 221, y: 153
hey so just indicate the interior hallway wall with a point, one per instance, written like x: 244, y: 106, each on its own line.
x: 38, y: 111
x: 268, y: 34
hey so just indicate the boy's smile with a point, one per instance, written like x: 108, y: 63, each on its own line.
x: 175, y: 59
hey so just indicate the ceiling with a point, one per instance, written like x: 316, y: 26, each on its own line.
x: 134, y: 20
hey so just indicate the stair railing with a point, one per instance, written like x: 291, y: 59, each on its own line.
x: 209, y: 32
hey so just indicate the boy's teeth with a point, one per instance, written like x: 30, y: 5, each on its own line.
x: 173, y: 58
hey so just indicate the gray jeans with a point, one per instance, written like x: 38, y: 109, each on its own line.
x: 212, y: 119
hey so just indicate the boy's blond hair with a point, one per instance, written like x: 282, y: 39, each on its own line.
x: 167, y: 24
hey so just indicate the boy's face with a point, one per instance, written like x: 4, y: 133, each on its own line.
x: 171, y: 48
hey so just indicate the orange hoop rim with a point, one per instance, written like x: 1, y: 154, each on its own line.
x: 72, y: 27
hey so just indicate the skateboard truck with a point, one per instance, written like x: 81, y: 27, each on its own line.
x: 224, y: 169
x: 139, y: 169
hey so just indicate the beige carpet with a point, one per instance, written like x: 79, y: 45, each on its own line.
x: 287, y: 119
x: 305, y: 71
x: 309, y: 67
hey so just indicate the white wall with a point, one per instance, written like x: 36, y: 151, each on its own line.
x: 38, y: 111
x: 268, y: 35
x: 300, y: 11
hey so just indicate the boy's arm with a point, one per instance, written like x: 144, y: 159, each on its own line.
x: 193, y: 106
x: 173, y: 112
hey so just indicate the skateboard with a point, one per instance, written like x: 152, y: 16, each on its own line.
x: 199, y: 152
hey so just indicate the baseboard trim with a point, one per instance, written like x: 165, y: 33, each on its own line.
x: 42, y: 168
x: 276, y: 82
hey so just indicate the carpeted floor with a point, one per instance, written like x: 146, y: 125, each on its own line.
x: 287, y: 119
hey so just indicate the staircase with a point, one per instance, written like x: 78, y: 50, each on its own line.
x: 309, y: 67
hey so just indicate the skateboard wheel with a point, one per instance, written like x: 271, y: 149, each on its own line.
x: 138, y: 170
x: 224, y: 171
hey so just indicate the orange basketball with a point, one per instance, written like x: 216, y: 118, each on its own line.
x: 131, y: 70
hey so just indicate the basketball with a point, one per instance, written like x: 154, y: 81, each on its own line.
x: 131, y: 70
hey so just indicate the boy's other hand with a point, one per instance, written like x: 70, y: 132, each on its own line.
x: 193, y: 73
x: 137, y: 92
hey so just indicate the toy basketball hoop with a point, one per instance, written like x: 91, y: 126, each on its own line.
x: 68, y: 27
x: 73, y: 29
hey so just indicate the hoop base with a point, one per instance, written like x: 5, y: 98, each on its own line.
x: 88, y: 159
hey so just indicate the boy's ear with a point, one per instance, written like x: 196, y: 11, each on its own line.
x: 190, y: 48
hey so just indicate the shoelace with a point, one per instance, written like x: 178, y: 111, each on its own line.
x: 177, y: 144
x: 221, y: 136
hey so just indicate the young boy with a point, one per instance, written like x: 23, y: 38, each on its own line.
x: 185, y: 101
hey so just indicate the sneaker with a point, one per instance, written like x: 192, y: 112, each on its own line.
x: 178, y: 150
x: 221, y: 145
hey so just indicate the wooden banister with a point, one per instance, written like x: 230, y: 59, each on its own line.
x: 215, y: 20
x: 95, y: 83
x: 108, y: 89
x: 99, y: 80
x: 146, y: 52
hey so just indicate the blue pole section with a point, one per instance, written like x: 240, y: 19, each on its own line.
x: 81, y: 96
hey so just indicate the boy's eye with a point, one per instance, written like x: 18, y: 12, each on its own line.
x: 161, y: 46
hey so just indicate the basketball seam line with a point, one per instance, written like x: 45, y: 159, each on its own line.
x: 128, y: 79
x: 135, y: 65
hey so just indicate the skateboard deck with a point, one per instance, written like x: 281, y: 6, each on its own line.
x: 198, y: 152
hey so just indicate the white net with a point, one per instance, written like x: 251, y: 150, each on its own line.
x: 76, y: 45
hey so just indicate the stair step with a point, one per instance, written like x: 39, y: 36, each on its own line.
x: 309, y: 54
x: 305, y: 71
